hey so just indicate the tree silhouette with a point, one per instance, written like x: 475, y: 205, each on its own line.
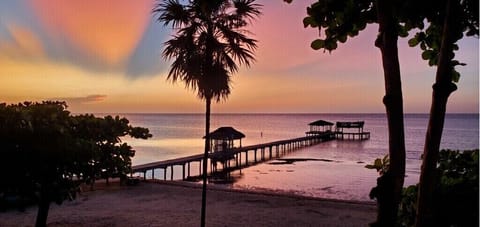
x: 339, y: 19
x: 447, y: 22
x: 210, y: 44
x: 47, y: 153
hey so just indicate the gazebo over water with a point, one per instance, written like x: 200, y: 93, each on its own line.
x: 319, y: 126
x: 225, y: 138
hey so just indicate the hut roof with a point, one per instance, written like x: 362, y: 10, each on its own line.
x: 226, y: 133
x: 320, y: 123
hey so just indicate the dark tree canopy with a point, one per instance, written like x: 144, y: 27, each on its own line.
x: 47, y: 153
x: 337, y: 20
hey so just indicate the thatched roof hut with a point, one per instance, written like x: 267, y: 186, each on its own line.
x: 224, y: 138
x: 226, y: 133
x: 320, y: 123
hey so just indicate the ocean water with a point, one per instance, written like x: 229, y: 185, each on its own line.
x: 338, y: 169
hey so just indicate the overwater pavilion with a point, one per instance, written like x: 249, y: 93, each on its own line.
x: 318, y: 127
x: 225, y: 138
x: 356, y: 130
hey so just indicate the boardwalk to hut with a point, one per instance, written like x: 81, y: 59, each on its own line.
x: 225, y: 157
x: 235, y: 158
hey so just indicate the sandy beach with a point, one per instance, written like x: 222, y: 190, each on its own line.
x: 178, y: 204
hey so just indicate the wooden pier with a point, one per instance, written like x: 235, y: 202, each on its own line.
x: 235, y: 158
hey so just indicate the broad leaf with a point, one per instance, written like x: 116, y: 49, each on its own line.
x: 318, y: 44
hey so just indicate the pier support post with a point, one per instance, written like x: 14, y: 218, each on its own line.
x: 183, y: 171
x: 240, y: 159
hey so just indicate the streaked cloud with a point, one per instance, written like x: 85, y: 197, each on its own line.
x: 23, y: 44
x: 101, y: 58
x: 82, y: 100
x: 147, y: 60
x: 99, y: 33
x: 82, y: 104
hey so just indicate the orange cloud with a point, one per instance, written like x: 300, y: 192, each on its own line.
x: 107, y: 29
x: 83, y: 100
x: 25, y: 43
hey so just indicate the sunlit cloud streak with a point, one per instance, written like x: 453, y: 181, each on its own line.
x: 24, y: 44
x: 42, y: 56
x: 147, y: 59
x: 82, y: 100
x: 96, y: 34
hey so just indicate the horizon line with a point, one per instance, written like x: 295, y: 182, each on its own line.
x: 260, y: 113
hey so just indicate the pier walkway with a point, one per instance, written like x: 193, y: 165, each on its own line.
x: 235, y: 158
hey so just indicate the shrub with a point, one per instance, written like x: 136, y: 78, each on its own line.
x: 457, y: 194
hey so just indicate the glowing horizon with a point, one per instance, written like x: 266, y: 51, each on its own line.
x: 105, y: 57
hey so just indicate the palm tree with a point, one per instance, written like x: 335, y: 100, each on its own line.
x: 210, y: 43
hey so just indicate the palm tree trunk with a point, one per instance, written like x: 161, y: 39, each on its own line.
x: 442, y: 89
x: 208, y: 102
x: 391, y: 183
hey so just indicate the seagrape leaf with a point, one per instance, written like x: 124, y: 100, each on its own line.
x: 318, y: 44
x: 331, y: 45
x: 402, y: 32
x: 413, y: 42
x: 455, y: 76
x: 427, y: 54
x: 309, y: 21
x: 342, y: 38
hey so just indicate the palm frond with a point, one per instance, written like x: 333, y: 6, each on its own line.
x: 239, y: 45
x: 172, y: 11
x: 209, y: 44
x: 246, y: 9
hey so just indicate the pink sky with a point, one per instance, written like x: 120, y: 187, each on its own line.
x: 104, y: 56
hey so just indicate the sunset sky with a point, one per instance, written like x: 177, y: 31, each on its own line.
x: 105, y: 56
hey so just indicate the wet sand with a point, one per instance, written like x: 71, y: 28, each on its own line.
x: 178, y: 204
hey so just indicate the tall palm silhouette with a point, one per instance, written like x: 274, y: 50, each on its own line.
x: 210, y: 43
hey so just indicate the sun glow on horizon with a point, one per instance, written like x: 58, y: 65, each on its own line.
x: 105, y: 57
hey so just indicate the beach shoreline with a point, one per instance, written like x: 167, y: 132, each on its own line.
x: 162, y: 203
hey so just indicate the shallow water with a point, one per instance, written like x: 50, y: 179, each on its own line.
x: 328, y: 170
x: 179, y: 135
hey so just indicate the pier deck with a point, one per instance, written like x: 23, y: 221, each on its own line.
x: 232, y: 159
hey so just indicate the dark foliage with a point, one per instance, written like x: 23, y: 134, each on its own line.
x: 456, y: 194
x: 47, y: 153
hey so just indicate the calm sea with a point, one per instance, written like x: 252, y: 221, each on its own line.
x: 343, y: 176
